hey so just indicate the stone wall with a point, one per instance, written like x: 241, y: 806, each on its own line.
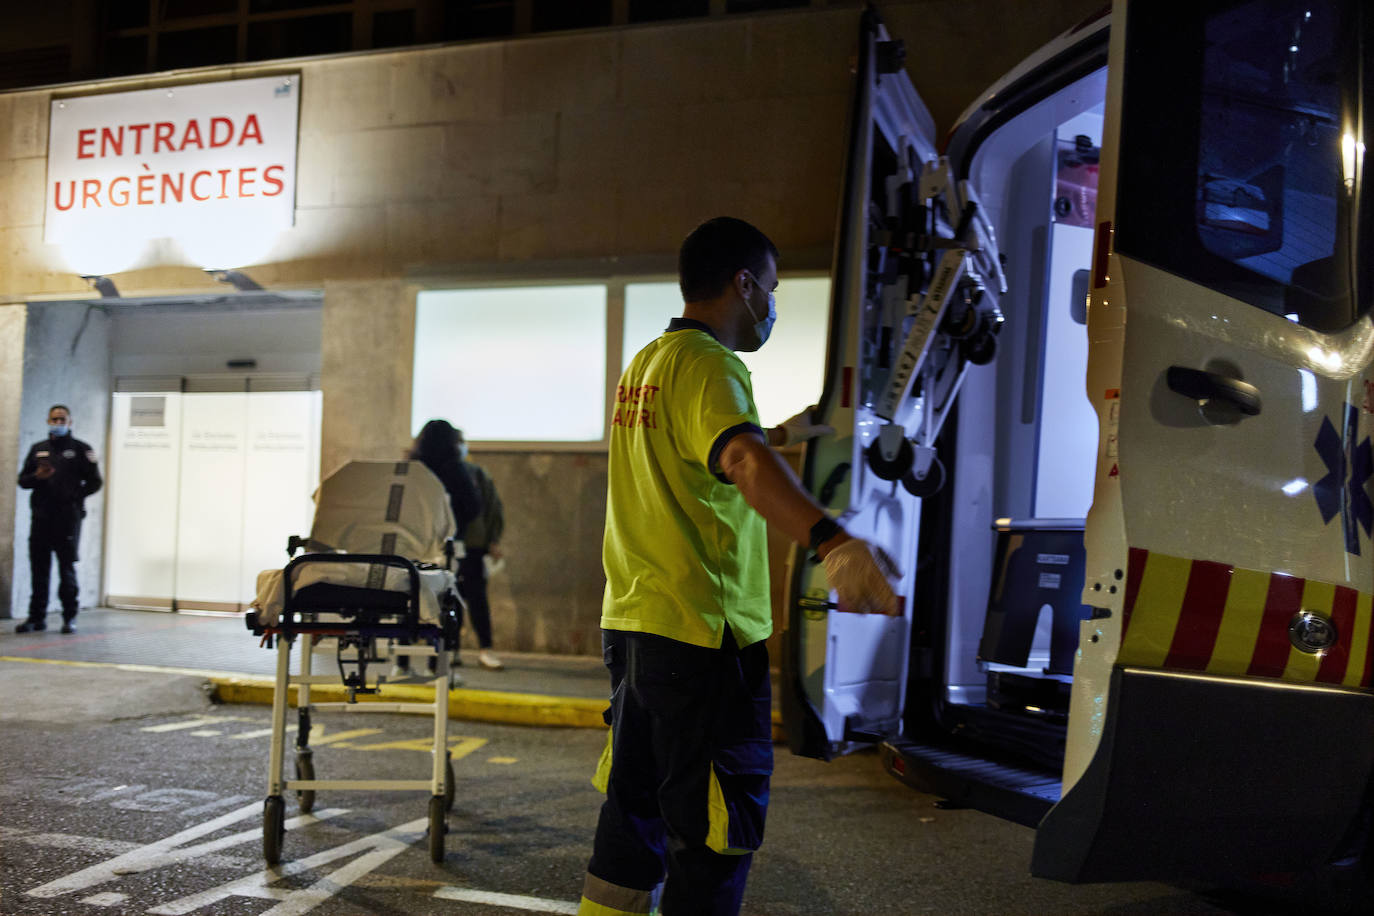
x: 66, y: 361
x: 565, y: 156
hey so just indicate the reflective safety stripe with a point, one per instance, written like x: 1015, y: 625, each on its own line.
x: 718, y: 821
x: 1201, y: 615
x: 1155, y: 617
x: 602, y: 898
x: 602, y: 777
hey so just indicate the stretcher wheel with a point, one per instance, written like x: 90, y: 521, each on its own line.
x: 438, y: 826
x: 305, y: 769
x: 894, y: 469
x: 273, y: 828
x: 450, y: 788
x: 928, y: 485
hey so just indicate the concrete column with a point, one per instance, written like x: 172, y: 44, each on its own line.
x: 12, y: 320
x: 66, y: 360
x: 367, y: 356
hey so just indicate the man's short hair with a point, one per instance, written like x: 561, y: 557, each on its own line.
x: 717, y: 250
x: 60, y: 407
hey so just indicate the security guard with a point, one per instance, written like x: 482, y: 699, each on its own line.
x: 687, y: 606
x: 61, y: 471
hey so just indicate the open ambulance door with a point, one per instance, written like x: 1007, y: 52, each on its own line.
x: 914, y: 303
x: 1221, y: 724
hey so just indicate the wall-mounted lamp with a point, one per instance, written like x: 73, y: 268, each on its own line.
x: 237, y: 278
x: 103, y: 285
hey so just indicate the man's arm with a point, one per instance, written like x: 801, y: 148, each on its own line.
x: 93, y: 481
x: 28, y: 474
x: 768, y: 484
x: 770, y: 487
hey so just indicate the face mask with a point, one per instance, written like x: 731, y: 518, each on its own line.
x: 463, y: 452
x: 59, y: 429
x: 762, y: 326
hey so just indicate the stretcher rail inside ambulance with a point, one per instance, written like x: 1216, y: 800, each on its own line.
x: 1139, y: 610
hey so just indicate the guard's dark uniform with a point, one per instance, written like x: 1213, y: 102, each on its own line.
x: 57, y: 512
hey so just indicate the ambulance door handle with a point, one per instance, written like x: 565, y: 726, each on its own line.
x: 1201, y: 385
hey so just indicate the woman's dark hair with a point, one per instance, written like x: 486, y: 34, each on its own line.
x: 437, y: 442
x: 717, y: 250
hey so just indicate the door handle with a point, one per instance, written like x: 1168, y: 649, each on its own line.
x: 1201, y: 385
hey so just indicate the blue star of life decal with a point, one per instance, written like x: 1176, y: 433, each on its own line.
x: 1349, y: 466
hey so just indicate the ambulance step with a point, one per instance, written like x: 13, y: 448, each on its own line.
x: 1018, y: 792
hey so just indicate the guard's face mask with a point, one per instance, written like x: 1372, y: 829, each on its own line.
x: 58, y: 429
x: 762, y: 326
x: 462, y: 451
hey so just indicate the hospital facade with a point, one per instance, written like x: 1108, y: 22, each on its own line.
x: 478, y: 230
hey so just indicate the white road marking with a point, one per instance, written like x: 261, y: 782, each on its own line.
x: 197, y: 722
x: 110, y: 898
x: 206, y: 732
x: 383, y: 847
x: 169, y: 850
x: 258, y: 733
x: 510, y: 901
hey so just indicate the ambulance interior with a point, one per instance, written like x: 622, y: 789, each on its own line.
x: 1025, y: 447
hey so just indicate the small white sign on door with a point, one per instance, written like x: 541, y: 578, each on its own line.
x: 160, y: 163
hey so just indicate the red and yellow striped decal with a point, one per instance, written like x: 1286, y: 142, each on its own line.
x: 1199, y: 615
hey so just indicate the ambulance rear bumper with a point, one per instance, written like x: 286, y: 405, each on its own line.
x: 1214, y: 778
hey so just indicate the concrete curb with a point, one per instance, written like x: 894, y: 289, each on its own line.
x: 471, y: 705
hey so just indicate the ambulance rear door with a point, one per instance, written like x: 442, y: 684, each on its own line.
x: 914, y: 259
x: 1221, y: 724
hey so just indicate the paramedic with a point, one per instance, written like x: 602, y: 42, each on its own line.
x: 481, y: 540
x: 687, y: 609
x: 61, y: 472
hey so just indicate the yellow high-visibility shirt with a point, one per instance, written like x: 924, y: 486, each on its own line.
x: 683, y: 552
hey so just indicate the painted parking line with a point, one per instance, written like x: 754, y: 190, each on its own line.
x: 459, y: 746
x: 195, y: 722
x: 509, y: 901
x: 354, y: 862
x: 172, y: 849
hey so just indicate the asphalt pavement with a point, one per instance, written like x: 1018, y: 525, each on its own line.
x: 134, y: 784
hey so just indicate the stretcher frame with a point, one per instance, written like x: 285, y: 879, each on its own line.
x: 408, y: 637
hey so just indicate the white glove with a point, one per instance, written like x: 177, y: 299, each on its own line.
x: 802, y: 427
x: 859, y: 572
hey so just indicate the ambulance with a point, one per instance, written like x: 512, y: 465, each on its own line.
x: 1101, y: 367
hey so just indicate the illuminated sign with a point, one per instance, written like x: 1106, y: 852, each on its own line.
x: 165, y: 163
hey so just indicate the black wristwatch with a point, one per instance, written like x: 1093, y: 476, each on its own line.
x: 822, y: 531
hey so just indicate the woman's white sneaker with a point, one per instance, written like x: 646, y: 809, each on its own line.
x: 489, y: 661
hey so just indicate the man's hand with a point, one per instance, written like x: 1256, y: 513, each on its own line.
x: 802, y: 427
x: 44, y: 470
x: 859, y: 572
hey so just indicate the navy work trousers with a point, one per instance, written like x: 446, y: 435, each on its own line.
x: 472, y: 585
x: 47, y: 541
x: 687, y: 792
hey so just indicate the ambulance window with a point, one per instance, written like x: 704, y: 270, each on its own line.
x: 1240, y: 160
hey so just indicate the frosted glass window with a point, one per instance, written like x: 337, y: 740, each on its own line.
x: 524, y: 364
x: 788, y: 371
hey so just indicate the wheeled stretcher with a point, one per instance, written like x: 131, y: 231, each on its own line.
x: 377, y: 577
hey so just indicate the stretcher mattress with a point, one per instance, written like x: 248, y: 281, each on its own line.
x: 385, y: 507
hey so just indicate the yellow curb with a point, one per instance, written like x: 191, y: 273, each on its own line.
x: 470, y: 705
